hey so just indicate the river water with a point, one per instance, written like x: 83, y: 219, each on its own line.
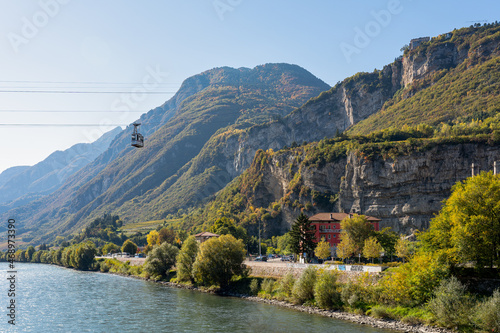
x: 55, y: 299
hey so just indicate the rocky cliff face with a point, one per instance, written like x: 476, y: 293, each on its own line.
x: 325, y: 116
x: 333, y: 111
x: 405, y: 192
x: 353, y: 100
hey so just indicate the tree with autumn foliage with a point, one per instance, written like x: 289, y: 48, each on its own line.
x: 358, y: 229
x: 372, y: 248
x: 346, y: 247
x: 467, y: 229
x: 322, y: 250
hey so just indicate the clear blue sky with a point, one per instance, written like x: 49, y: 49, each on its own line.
x: 153, y: 45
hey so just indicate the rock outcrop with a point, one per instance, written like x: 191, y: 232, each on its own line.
x: 404, y: 192
x: 408, y: 191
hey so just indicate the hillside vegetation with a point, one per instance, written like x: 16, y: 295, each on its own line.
x: 450, y: 95
x: 147, y: 184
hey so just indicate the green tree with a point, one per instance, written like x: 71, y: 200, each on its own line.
x: 302, y: 236
x: 487, y: 314
x: 322, y: 250
x: 468, y: 226
x: 387, y: 238
x: 129, y: 247
x: 218, y: 260
x: 186, y: 258
x: 372, y: 248
x: 29, y: 253
x: 20, y: 255
x: 226, y: 226
x: 451, y: 305
x: 413, y: 283
x: 166, y: 235
x: 160, y: 260
x: 358, y: 229
x: 37, y: 256
x: 284, y: 244
x: 110, y: 248
x: 82, y: 257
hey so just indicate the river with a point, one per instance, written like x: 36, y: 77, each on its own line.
x: 55, y: 299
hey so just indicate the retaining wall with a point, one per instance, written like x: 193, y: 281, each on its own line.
x: 280, y: 269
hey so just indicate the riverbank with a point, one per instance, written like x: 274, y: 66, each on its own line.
x: 354, y: 318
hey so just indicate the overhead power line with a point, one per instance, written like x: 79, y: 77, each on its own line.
x: 62, y: 125
x: 84, y: 82
x: 71, y: 111
x: 85, y: 92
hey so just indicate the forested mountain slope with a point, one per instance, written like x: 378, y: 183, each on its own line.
x: 122, y: 177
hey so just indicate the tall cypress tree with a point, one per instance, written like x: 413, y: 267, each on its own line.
x: 302, y: 236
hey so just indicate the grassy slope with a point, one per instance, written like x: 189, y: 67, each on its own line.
x: 468, y: 91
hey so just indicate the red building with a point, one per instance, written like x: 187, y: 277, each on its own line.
x: 327, y: 225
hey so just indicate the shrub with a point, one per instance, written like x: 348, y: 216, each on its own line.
x: 286, y: 285
x: 218, y: 260
x: 129, y: 247
x: 487, y: 315
x: 303, y: 289
x: 254, y: 286
x: 160, y: 260
x: 412, y: 320
x: 325, y: 291
x: 350, y: 295
x: 413, y: 283
x: 268, y: 285
x: 451, y: 305
x: 380, y: 311
x: 186, y: 258
x: 103, y: 266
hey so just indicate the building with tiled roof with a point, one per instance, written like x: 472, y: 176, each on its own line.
x: 203, y: 236
x: 327, y: 226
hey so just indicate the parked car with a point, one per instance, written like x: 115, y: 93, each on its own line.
x: 261, y: 258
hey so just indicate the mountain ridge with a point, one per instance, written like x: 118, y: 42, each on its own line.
x: 47, y: 175
x: 123, y: 175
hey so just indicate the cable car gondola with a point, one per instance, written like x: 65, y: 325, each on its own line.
x: 137, y: 138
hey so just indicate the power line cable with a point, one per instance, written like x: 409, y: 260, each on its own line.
x: 62, y: 125
x: 83, y: 82
x: 71, y: 111
x: 85, y: 92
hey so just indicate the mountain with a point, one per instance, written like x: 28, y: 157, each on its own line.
x: 11, y: 172
x: 399, y: 138
x: 21, y: 185
x: 413, y: 130
x: 129, y: 181
x: 452, y: 78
